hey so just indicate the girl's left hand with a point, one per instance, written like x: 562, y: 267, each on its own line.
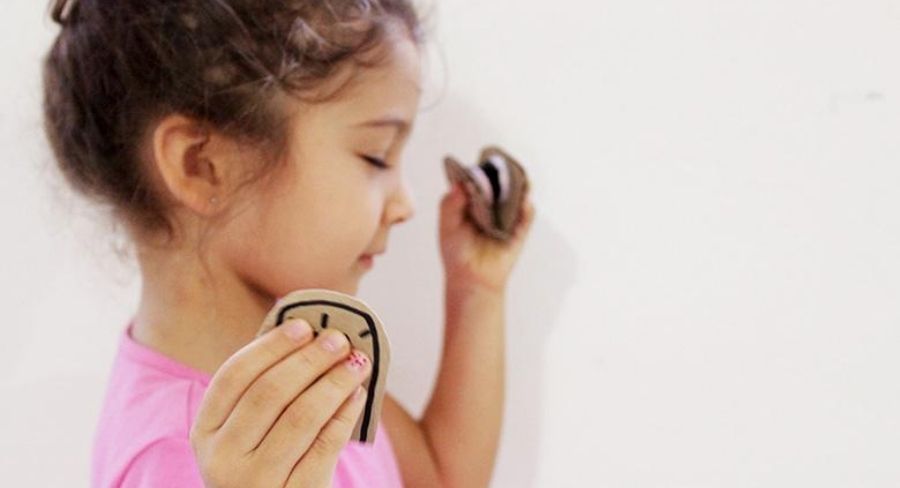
x: 471, y: 259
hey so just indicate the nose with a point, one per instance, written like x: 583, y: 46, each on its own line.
x: 400, y: 207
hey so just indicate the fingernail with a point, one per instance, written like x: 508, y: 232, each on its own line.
x: 357, y: 361
x: 333, y: 341
x: 296, y: 329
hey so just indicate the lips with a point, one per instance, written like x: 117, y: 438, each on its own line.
x: 368, y: 259
x: 374, y: 253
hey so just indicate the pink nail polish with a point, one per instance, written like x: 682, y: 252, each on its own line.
x: 357, y: 360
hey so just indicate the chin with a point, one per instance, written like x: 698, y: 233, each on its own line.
x: 353, y: 288
x: 349, y: 287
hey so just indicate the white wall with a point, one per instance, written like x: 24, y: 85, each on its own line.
x: 709, y: 298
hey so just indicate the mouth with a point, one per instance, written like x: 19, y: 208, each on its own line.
x: 368, y: 260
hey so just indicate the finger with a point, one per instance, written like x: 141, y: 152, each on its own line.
x: 526, y: 219
x: 243, y: 367
x: 452, y: 208
x: 298, y: 426
x: 528, y: 213
x: 264, y: 401
x: 319, y: 463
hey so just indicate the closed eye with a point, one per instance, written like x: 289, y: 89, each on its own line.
x: 376, y: 162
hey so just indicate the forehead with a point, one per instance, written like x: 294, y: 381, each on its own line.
x: 391, y: 89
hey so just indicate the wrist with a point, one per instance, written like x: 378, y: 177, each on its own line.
x: 463, y: 283
x: 474, y: 288
x: 466, y: 294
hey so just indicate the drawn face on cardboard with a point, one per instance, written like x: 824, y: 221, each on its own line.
x: 326, y: 309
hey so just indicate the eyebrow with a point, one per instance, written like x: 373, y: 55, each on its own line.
x: 401, y: 124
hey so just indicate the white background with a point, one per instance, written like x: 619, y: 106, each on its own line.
x: 709, y: 298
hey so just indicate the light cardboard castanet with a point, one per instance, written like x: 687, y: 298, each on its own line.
x: 494, y: 220
x: 328, y: 309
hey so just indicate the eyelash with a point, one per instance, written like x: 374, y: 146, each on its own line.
x: 376, y: 162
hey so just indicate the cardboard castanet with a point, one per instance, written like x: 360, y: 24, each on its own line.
x: 328, y: 309
x: 496, y: 188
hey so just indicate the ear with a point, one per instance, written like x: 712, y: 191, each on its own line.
x: 192, y: 162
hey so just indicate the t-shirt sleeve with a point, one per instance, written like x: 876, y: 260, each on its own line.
x: 164, y: 463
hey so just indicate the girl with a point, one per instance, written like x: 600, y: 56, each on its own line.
x: 251, y: 148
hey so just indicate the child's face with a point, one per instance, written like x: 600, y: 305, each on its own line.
x: 315, y: 222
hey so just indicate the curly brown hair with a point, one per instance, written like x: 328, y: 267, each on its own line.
x: 117, y: 66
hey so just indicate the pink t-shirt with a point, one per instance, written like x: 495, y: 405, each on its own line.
x: 151, y: 401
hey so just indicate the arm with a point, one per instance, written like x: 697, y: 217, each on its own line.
x: 414, y: 455
x: 456, y: 440
x: 464, y: 415
x: 455, y: 443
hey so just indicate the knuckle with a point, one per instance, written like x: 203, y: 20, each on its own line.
x: 225, y: 378
x: 300, y: 417
x: 337, y: 384
x: 265, y: 391
x: 326, y: 445
x: 222, y: 467
x: 270, y: 349
x: 343, y: 423
x: 333, y: 436
x: 215, y: 473
x: 305, y: 361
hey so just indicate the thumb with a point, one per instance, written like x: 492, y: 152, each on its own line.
x: 453, y: 207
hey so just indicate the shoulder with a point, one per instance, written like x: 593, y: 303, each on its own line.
x: 145, y: 422
x: 168, y: 461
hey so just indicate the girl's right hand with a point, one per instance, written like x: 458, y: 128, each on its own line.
x: 279, y: 411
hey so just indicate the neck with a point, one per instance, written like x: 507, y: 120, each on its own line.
x: 199, y: 316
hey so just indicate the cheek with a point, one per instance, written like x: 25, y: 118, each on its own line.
x: 347, y: 223
x: 303, y: 239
